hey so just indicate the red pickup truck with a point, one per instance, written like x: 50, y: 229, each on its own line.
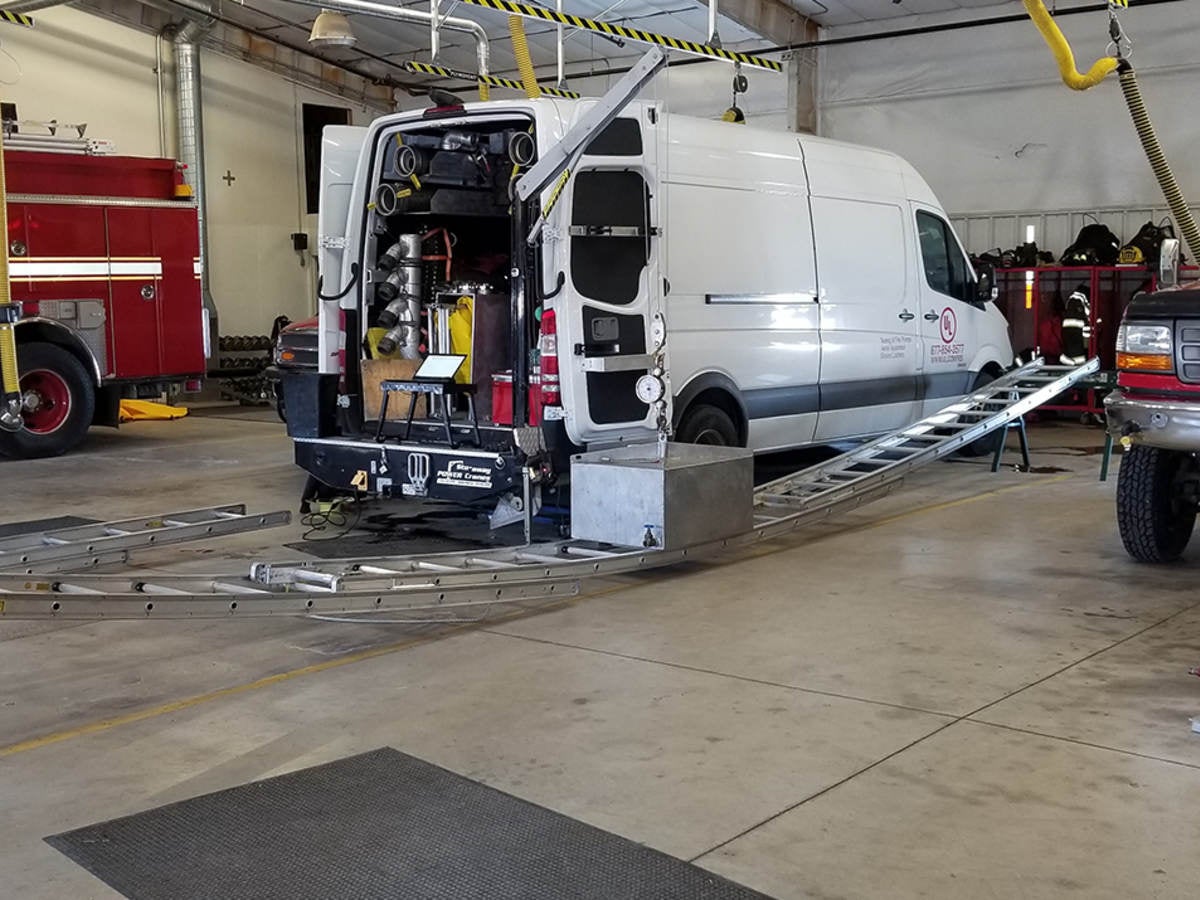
x: 1155, y: 412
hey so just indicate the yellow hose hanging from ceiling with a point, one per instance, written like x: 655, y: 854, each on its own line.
x: 1058, y: 45
x: 516, y: 30
x: 1133, y: 100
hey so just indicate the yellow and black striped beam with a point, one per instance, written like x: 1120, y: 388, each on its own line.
x: 15, y: 18
x: 633, y: 34
x: 421, y: 68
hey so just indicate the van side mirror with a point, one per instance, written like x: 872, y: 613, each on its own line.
x: 1169, y: 256
x: 985, y: 287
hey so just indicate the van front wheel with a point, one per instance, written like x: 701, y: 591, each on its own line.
x: 705, y: 424
x: 986, y: 445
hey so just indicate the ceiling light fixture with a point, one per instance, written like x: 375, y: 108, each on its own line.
x: 332, y: 29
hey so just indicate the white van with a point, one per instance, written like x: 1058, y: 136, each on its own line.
x: 812, y: 291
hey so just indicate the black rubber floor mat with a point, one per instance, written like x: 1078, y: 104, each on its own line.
x: 14, y: 528
x: 425, y: 531
x: 379, y: 825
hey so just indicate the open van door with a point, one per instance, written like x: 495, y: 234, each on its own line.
x: 612, y: 294
x: 341, y: 146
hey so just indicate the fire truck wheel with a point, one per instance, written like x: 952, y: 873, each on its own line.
x: 59, y: 403
x: 1154, y: 515
x: 705, y: 424
x: 986, y: 445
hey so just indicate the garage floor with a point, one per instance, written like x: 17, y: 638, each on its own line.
x: 964, y: 690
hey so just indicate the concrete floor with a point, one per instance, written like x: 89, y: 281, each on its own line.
x: 964, y: 690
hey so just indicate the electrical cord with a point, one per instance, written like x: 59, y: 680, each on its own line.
x: 332, y: 515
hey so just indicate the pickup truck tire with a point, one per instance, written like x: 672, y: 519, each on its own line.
x: 66, y: 402
x: 706, y: 424
x: 1154, y: 518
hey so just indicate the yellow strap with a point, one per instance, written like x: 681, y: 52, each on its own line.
x: 1058, y: 45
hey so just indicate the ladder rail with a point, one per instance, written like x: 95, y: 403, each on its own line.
x: 358, y: 587
x: 102, y: 539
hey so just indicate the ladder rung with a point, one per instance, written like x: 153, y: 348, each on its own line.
x: 482, y: 562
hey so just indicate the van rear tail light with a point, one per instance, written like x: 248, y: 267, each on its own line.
x: 548, y: 351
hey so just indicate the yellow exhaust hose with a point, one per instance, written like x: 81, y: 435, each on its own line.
x: 1058, y: 45
x: 1137, y: 110
x: 520, y: 45
x: 1158, y: 160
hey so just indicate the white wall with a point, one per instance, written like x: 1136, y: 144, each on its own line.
x: 705, y: 90
x: 983, y: 115
x: 76, y: 67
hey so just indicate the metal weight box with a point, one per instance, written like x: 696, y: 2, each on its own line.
x: 636, y: 496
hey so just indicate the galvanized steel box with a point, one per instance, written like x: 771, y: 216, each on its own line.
x: 692, y: 495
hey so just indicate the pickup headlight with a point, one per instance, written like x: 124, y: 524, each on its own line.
x: 1145, y: 348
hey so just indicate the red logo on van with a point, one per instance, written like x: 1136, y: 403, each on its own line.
x: 948, y: 325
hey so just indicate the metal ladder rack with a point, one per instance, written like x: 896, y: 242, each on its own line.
x: 106, y: 542
x: 438, y: 584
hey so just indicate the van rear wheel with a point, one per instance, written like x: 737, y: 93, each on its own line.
x: 705, y: 424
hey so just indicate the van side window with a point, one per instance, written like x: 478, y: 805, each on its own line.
x: 609, y: 234
x: 945, y: 267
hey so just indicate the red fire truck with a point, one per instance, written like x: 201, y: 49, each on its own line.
x: 104, y: 262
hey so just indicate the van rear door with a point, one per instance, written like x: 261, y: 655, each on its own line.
x: 613, y: 286
x: 341, y: 147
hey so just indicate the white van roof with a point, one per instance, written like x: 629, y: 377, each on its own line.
x: 835, y: 168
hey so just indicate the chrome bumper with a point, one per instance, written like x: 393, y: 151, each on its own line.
x: 1173, y: 425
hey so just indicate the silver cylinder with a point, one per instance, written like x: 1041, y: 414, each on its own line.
x: 410, y: 263
x: 521, y: 148
x: 190, y: 123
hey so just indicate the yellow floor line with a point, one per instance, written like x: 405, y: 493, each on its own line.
x: 233, y: 691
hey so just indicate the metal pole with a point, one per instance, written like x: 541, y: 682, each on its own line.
x: 10, y: 377
x: 433, y: 30
x: 712, y: 22
x: 562, y: 76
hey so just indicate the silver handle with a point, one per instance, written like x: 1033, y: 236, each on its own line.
x: 931, y: 316
x: 906, y: 316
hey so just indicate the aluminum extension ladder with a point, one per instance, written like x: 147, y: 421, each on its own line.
x: 83, y: 546
x: 432, y: 587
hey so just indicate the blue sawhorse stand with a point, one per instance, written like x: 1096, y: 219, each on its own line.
x: 1018, y: 424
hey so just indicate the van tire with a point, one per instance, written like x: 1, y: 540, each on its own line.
x: 705, y: 424
x: 986, y: 445
x: 1153, y: 516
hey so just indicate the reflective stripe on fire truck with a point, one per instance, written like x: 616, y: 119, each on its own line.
x: 85, y: 268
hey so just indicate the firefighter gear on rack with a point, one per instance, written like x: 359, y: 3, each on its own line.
x: 1077, y: 327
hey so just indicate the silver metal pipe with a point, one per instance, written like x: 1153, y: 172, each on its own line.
x: 401, y: 14
x: 433, y: 29
x: 189, y: 112
x: 162, y: 111
x: 562, y: 76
